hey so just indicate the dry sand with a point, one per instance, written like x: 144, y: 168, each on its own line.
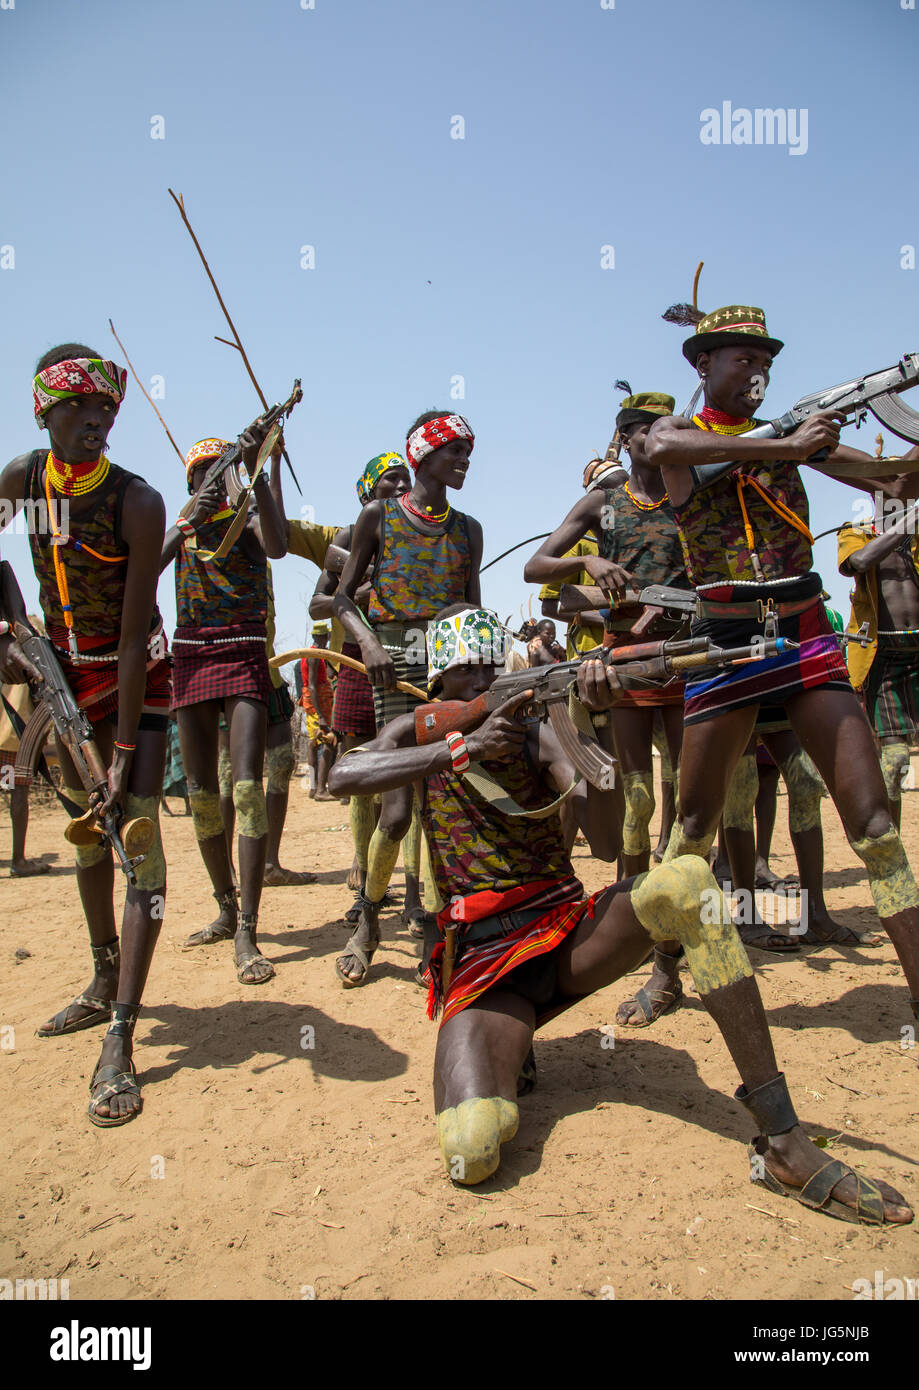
x: 287, y: 1145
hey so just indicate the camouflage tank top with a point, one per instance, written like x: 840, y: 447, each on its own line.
x: 416, y: 575
x: 712, y: 526
x: 474, y: 846
x: 96, y: 589
x: 232, y: 592
x: 646, y: 543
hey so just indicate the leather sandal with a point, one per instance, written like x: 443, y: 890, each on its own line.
x: 105, y: 958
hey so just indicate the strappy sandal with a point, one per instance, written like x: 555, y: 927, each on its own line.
x: 652, y: 1003
x: 107, y: 957
x: 771, y: 1107
x: 362, y: 952
x: 108, y: 1081
x: 228, y: 901
x: 758, y: 933
x: 248, y: 922
x: 841, y: 936
x: 414, y: 921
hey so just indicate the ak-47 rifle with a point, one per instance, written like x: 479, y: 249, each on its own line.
x: 657, y: 602
x: 228, y: 468
x: 55, y: 704
x: 655, y: 599
x: 655, y: 662
x: 877, y: 391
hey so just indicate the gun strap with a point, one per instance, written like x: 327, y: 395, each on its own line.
x: 492, y: 791
x: 234, y: 530
x: 495, y: 794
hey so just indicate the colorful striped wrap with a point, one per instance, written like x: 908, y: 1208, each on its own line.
x: 482, y: 963
x: 816, y: 662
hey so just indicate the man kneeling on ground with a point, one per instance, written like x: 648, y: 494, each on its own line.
x: 530, y: 944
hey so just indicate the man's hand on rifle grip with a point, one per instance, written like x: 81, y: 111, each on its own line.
x: 818, y: 433
x: 599, y: 687
x: 502, y: 735
x: 15, y: 666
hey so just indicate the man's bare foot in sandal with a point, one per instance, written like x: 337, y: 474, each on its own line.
x: 93, y: 1006
x: 764, y: 937
x: 819, y: 929
x: 114, y: 1093
x: 353, y: 966
x: 784, y: 1160
x: 252, y: 968
x: 223, y: 927
x: 660, y: 995
x: 766, y: 879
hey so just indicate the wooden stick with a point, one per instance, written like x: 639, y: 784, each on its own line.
x: 695, y: 285
x: 144, y: 389
x: 321, y: 654
x: 180, y: 204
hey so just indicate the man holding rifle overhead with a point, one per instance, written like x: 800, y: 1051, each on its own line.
x: 221, y: 666
x: 742, y: 511
x: 95, y: 538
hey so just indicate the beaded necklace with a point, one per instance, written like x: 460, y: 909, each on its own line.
x: 426, y: 515
x: 644, y: 506
x: 76, y: 479
x: 58, y: 541
x: 720, y: 423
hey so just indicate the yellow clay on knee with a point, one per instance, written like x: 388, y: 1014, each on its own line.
x: 638, y: 788
x: 680, y: 901
x: 471, y: 1134
x: 205, y: 813
x: 251, y: 815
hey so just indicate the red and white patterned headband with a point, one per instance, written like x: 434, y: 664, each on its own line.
x: 434, y: 435
x: 78, y: 376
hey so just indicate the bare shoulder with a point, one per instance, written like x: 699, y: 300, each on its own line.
x: 14, y: 474
x: 670, y: 422
x: 144, y: 509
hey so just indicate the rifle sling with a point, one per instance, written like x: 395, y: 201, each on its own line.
x: 489, y: 788
x: 492, y: 791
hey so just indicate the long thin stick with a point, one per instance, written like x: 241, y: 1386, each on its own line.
x: 528, y: 541
x: 145, y: 391
x: 180, y: 204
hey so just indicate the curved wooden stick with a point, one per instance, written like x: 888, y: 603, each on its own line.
x: 321, y: 654
x: 695, y: 285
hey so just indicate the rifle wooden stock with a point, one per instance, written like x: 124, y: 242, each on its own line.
x: 434, y: 722
x: 580, y: 598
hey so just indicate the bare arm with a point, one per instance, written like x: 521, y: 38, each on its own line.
x: 268, y: 524
x: 550, y: 563
x: 14, y: 666
x: 474, y: 586
x: 391, y: 760
x: 364, y: 541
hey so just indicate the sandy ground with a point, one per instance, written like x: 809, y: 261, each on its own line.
x: 287, y: 1145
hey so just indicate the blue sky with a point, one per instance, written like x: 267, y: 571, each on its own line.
x: 438, y: 258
